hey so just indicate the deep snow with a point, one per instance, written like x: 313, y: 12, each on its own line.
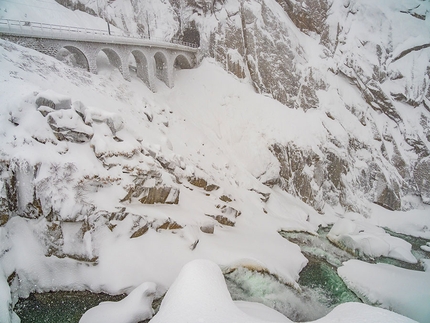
x: 210, y: 125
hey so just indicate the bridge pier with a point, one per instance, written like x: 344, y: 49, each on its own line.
x: 92, y: 64
x: 150, y: 70
x: 125, y: 69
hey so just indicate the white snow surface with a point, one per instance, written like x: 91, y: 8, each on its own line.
x: 210, y: 125
x: 136, y: 307
x: 50, y: 12
x: 406, y: 291
x: 199, y: 294
x: 372, y: 241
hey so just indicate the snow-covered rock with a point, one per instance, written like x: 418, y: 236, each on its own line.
x: 357, y: 313
x: 53, y: 100
x: 134, y: 308
x: 368, y: 240
x: 422, y: 178
x: 68, y: 125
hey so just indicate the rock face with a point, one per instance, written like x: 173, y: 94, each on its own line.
x: 422, y: 178
x: 153, y: 195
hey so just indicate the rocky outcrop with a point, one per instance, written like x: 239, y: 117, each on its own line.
x: 68, y: 125
x: 164, y: 195
x: 208, y: 228
x: 309, y: 15
x: 202, y: 183
x: 422, y: 178
x: 19, y: 195
x: 53, y: 100
x: 227, y: 216
x: 169, y: 225
x: 149, y: 188
x: 327, y: 178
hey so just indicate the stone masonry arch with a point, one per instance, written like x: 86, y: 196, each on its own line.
x: 162, y: 68
x: 80, y: 58
x: 182, y: 62
x: 113, y: 57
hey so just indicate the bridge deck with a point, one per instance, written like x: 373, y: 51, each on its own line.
x: 49, y: 31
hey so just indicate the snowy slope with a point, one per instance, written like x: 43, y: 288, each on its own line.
x: 226, y: 167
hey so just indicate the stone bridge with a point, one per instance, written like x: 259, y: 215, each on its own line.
x: 154, y: 58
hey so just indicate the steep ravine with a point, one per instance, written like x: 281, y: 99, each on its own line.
x: 301, y: 53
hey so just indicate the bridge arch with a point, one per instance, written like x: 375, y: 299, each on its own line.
x: 142, y: 66
x: 182, y: 62
x: 74, y: 56
x: 113, y: 57
x: 162, y: 67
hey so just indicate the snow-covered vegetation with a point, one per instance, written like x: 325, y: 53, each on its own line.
x: 107, y: 185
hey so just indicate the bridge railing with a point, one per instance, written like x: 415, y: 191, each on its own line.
x: 31, y: 28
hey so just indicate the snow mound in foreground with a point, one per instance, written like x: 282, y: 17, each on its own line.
x: 135, y: 307
x: 200, y: 294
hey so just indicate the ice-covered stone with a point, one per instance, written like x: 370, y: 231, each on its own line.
x: 53, y: 100
x: 91, y: 114
x: 68, y: 125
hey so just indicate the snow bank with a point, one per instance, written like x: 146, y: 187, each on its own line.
x: 360, y: 313
x: 365, y: 239
x: 261, y: 312
x: 404, y: 291
x: 413, y: 222
x: 136, y: 307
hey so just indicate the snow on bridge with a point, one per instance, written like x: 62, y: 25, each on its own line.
x: 154, y: 58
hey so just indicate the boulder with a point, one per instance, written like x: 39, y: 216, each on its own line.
x: 53, y: 100
x: 68, y: 125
